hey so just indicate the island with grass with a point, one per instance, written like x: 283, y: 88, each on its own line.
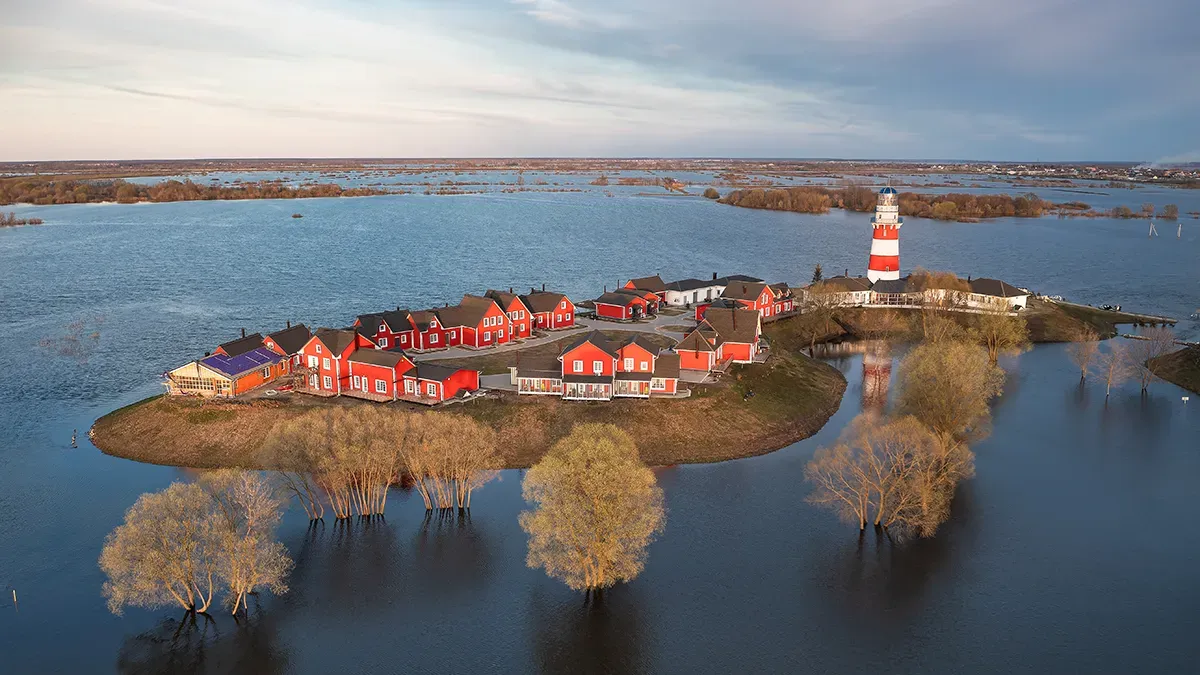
x: 751, y: 410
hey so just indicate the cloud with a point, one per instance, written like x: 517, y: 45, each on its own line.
x: 1021, y: 79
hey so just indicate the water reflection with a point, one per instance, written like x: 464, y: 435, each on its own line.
x: 451, y: 555
x: 875, y: 571
x: 194, y: 644
x: 603, y: 633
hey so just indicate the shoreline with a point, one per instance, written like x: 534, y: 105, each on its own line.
x: 754, y: 410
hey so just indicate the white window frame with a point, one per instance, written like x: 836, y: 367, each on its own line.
x: 318, y: 347
x: 266, y: 373
x: 313, y: 361
x: 403, y: 339
x: 383, y: 342
x: 597, y: 366
x: 431, y: 389
x: 578, y: 365
x: 354, y: 381
x: 328, y: 382
x: 325, y: 363
x: 628, y: 363
x: 562, y: 305
x: 433, y: 338
x: 500, y: 334
x: 409, y: 386
x: 487, y: 336
x: 645, y: 366
x: 567, y: 316
x: 380, y: 386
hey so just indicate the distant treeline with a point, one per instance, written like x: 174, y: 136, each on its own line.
x: 11, y: 220
x: 50, y: 191
x: 961, y: 207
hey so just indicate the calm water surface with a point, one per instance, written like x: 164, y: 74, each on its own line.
x: 1072, y: 551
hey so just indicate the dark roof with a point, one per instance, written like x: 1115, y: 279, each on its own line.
x: 904, y: 285
x: 653, y: 284
x: 888, y: 191
x: 377, y: 357
x: 396, y: 319
x: 733, y: 325
x: 996, y: 288
x: 641, y: 342
x: 726, y: 303
x: 291, y: 340
x: 596, y: 338
x: 737, y: 277
x: 635, y: 376
x: 588, y: 379
x: 422, y: 318
x: 469, y: 312
x: 781, y: 289
x: 242, y: 345
x: 543, y: 301
x: 637, y: 293
x: 744, y: 290
x: 690, y: 284
x: 233, y: 366
x: 435, y: 372
x: 504, y: 298
x: 695, y: 342
x: 614, y: 298
x: 844, y: 283
x: 541, y: 367
x: 336, y: 339
x: 667, y: 365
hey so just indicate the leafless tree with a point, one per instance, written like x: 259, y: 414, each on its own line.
x: 250, y: 556
x: 1159, y: 341
x: 895, y: 474
x: 597, y: 509
x: 166, y: 552
x: 1084, y: 351
x: 1114, y: 367
x: 948, y: 386
x: 449, y: 457
x: 1000, y: 333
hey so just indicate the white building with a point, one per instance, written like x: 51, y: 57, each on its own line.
x: 687, y: 292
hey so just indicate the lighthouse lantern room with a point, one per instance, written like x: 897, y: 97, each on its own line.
x: 885, y: 239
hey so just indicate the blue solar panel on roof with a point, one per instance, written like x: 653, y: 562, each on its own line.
x: 242, y: 363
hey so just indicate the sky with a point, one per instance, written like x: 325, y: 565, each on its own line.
x: 1008, y: 80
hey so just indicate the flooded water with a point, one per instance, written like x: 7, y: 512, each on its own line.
x: 1071, y: 551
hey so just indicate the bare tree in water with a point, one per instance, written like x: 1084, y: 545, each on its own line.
x: 1159, y: 341
x: 1114, y: 367
x: 183, y: 545
x: 1085, y: 351
x: 166, y: 552
x: 597, y: 508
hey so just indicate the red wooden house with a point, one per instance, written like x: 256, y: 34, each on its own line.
x: 389, y: 330
x: 696, y: 352
x: 653, y: 284
x: 724, y: 335
x: 593, y: 368
x: 551, y: 311
x: 288, y: 342
x: 325, y: 356
x: 476, y: 322
x: 429, y: 332
x: 377, y: 375
x: 520, y: 317
x: 768, y: 299
x: 430, y: 383
x: 588, y: 367
x: 626, y: 305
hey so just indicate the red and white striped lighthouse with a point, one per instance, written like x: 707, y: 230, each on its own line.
x: 885, y: 240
